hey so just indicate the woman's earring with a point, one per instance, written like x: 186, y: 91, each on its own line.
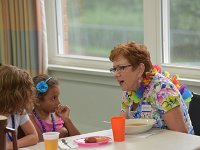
x: 139, y: 81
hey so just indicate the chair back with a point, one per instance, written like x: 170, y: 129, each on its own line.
x: 194, y: 112
x: 3, y: 133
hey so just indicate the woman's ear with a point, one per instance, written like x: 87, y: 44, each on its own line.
x: 141, y: 69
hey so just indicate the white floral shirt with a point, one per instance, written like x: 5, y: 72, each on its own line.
x: 159, y: 97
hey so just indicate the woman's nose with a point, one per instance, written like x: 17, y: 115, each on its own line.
x: 117, y: 73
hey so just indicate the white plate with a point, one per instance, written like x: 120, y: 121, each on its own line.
x: 135, y: 126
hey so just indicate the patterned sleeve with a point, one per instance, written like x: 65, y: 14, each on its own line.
x: 168, y: 96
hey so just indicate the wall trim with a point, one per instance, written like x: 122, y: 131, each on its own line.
x: 96, y: 76
x: 87, y: 75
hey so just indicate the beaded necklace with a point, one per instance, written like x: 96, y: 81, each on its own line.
x: 40, y: 121
x: 136, y: 96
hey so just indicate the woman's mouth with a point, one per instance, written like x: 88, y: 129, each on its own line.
x: 121, y: 82
x: 123, y: 85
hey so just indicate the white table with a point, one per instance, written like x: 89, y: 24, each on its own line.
x: 151, y: 140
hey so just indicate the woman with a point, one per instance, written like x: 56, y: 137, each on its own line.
x: 148, y: 91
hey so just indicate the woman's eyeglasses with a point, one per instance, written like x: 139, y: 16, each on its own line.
x: 119, y: 68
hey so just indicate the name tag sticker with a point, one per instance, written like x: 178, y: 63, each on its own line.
x: 146, y: 107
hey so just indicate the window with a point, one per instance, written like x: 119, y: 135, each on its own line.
x: 181, y: 36
x: 87, y: 30
x: 81, y: 33
x: 93, y: 27
x: 181, y: 30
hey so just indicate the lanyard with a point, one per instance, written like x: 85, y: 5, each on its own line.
x: 42, y: 125
x: 13, y: 126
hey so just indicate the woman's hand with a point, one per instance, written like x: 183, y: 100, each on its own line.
x: 62, y: 111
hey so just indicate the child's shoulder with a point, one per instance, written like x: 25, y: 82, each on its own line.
x: 21, y: 118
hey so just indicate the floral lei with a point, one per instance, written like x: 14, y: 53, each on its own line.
x: 136, y: 96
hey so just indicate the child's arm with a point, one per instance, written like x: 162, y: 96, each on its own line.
x: 30, y: 138
x: 63, y: 112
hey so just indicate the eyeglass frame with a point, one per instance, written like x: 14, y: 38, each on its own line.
x: 120, y: 68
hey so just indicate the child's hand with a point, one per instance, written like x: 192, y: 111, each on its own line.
x: 62, y: 111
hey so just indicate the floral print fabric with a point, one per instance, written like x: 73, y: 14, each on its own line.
x: 159, y: 97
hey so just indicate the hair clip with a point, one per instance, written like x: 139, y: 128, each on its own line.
x: 42, y: 86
